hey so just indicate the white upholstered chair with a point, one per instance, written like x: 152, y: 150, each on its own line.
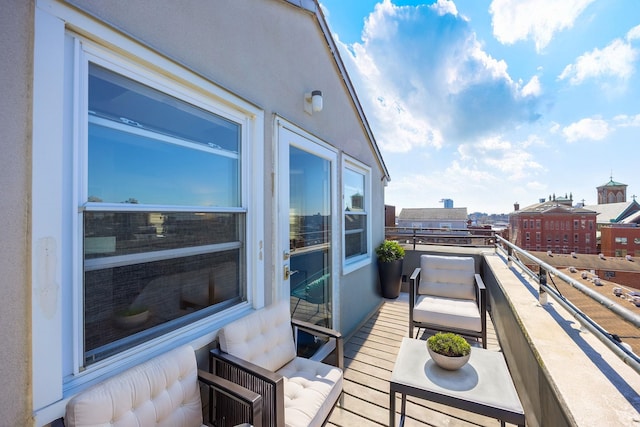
x: 163, y: 391
x: 258, y: 352
x: 446, y: 294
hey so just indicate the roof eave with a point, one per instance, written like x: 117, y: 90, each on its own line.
x: 314, y: 7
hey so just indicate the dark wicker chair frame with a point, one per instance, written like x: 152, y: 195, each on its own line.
x: 268, y: 384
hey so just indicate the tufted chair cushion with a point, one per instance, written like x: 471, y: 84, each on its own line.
x: 310, y: 390
x: 447, y: 276
x: 163, y: 391
x: 263, y: 338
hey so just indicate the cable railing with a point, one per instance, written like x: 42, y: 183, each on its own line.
x: 515, y: 255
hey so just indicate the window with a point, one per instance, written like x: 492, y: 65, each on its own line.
x: 114, y: 209
x: 621, y: 240
x: 356, y: 204
x: 161, y: 214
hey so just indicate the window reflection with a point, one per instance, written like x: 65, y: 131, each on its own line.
x: 355, y: 215
x: 126, y: 167
x: 353, y: 190
x: 309, y: 204
x: 163, y: 221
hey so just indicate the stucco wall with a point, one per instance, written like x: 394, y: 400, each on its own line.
x: 15, y: 119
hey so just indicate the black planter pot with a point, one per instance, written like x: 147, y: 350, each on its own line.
x: 390, y: 278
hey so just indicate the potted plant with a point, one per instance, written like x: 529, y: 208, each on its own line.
x: 390, y: 257
x: 448, y: 350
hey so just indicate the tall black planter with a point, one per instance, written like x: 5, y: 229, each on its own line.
x: 390, y: 278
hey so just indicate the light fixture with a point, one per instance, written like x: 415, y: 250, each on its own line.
x: 313, y: 101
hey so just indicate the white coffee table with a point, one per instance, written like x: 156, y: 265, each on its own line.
x: 482, y: 386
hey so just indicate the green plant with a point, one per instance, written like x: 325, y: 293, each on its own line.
x: 449, y: 344
x: 389, y: 250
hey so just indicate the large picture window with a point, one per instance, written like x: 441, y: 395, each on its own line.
x: 161, y: 213
x: 356, y: 196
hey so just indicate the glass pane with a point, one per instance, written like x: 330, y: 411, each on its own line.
x: 125, y: 306
x: 310, y: 239
x: 355, y: 235
x: 148, y: 147
x: 121, y: 99
x: 122, y: 233
x: 353, y: 191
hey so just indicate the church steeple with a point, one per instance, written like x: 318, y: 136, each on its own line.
x: 612, y: 192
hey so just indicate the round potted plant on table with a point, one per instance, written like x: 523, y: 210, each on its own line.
x: 448, y: 350
x: 390, y: 257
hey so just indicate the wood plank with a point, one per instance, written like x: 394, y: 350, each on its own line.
x: 369, y: 359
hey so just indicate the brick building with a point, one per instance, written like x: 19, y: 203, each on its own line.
x: 554, y: 225
x: 620, y: 240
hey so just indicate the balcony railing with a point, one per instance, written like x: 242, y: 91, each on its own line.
x: 553, y: 348
x: 537, y: 270
x: 542, y: 272
x: 470, y: 237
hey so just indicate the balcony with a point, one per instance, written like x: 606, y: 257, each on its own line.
x: 564, y: 374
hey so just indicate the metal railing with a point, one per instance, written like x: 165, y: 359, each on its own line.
x: 475, y: 237
x: 514, y: 254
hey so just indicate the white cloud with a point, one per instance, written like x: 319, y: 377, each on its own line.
x: 594, y: 129
x: 634, y: 33
x: 425, y: 80
x: 532, y: 88
x: 444, y: 7
x: 624, y: 120
x: 539, y: 20
x: 615, y: 60
x: 512, y: 160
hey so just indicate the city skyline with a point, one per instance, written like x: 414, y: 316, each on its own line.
x: 491, y: 103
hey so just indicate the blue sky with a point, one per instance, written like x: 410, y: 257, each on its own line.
x: 490, y: 103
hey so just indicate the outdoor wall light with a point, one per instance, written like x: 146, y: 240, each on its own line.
x: 313, y: 101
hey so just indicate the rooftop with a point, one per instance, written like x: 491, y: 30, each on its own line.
x: 425, y: 214
x: 589, y: 261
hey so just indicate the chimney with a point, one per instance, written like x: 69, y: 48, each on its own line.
x: 516, y: 206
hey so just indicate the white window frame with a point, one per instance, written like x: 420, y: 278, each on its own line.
x: 56, y: 254
x: 353, y: 263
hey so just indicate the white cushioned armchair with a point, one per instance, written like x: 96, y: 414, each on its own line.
x: 258, y: 352
x: 446, y: 294
x: 163, y: 391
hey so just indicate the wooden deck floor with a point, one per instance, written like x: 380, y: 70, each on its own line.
x: 369, y: 358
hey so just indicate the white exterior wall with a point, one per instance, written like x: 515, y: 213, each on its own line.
x: 272, y: 70
x: 269, y: 53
